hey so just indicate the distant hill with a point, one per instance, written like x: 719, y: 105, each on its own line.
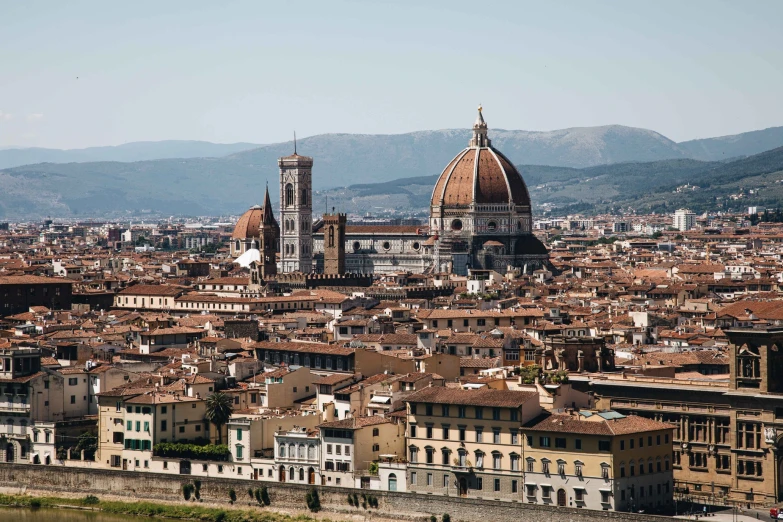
x: 136, y: 151
x: 658, y: 186
x: 724, y: 147
x: 585, y: 168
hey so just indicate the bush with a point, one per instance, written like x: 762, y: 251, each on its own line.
x: 35, y: 503
x: 232, y: 495
x: 257, y: 496
x: 219, y: 452
x: 446, y: 517
x: 220, y: 516
x: 313, y: 501
x: 350, y: 499
x: 187, y: 491
x: 355, y: 500
x: 90, y: 500
x: 433, y: 518
x: 265, y: 496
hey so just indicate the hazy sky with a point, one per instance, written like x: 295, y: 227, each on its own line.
x: 254, y: 71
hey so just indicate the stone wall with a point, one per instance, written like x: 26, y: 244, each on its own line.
x: 51, y: 480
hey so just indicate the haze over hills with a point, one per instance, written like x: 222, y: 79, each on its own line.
x: 597, y: 167
x: 135, y: 151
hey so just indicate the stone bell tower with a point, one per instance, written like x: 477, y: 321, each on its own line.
x: 334, y: 243
x: 296, y: 213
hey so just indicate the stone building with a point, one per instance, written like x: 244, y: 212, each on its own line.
x: 575, y: 354
x: 257, y: 229
x: 296, y: 213
x: 334, y: 243
x: 728, y: 436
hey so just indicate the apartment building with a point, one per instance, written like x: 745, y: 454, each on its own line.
x: 598, y: 460
x: 348, y: 447
x: 467, y: 442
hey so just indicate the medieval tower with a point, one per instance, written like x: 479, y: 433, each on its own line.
x: 334, y: 243
x: 296, y: 213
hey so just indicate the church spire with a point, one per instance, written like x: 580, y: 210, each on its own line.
x: 268, y: 216
x: 479, y: 138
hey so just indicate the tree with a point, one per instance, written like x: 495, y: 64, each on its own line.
x: 219, y: 410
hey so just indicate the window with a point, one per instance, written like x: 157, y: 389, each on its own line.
x: 622, y: 445
x: 163, y: 425
x: 560, y: 442
x: 604, y: 497
x: 444, y: 410
x: 413, y: 430
x: 429, y: 431
x: 579, y: 494
x: 604, y: 472
x: 462, y: 433
x: 497, y: 485
x: 479, y: 412
x: 462, y: 412
x: 545, y: 467
x: 479, y: 459
x: 578, y: 469
x: 578, y: 444
x: 514, y: 415
x: 514, y: 486
x: 479, y: 434
x: 430, y: 455
x: 497, y: 459
x: 546, y: 492
x: 446, y: 480
x: 530, y: 463
x: 495, y: 413
x: 73, y: 381
x: 496, y: 435
x: 129, y: 425
x: 531, y: 490
x: 429, y: 479
x: 445, y: 432
x: 445, y: 452
x: 544, y: 442
x: 413, y: 478
x: 479, y: 483
x: 604, y: 445
x: 73, y: 399
x: 414, y: 453
x: 561, y: 468
x: 239, y: 452
x: 514, y: 437
x: 428, y: 409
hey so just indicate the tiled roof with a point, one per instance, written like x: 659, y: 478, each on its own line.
x: 481, y: 397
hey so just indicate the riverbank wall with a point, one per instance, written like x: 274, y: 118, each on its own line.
x: 50, y: 480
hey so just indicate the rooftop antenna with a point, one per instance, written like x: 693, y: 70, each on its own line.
x: 294, y: 142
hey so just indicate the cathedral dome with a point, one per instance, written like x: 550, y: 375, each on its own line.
x: 249, y: 225
x: 480, y: 175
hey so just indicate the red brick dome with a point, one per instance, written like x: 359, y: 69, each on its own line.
x: 249, y: 225
x: 480, y: 175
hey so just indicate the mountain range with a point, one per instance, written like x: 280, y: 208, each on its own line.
x: 643, y: 187
x: 197, y: 178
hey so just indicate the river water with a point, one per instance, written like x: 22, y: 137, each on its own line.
x: 64, y: 515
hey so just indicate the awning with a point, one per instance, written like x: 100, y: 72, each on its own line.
x: 378, y: 399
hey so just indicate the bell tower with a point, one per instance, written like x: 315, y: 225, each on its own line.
x: 296, y: 213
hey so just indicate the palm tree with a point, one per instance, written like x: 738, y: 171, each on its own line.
x: 219, y: 410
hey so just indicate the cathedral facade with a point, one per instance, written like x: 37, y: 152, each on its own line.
x: 480, y: 217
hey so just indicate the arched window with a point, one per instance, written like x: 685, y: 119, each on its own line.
x: 301, y: 474
x: 310, y: 452
x: 331, y: 236
x: 291, y: 452
x: 237, y: 245
x: 291, y: 473
x: 289, y: 196
x: 304, y: 197
x: 282, y: 451
x: 301, y: 451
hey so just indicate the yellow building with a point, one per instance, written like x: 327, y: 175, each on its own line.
x: 598, y: 460
x: 467, y: 442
